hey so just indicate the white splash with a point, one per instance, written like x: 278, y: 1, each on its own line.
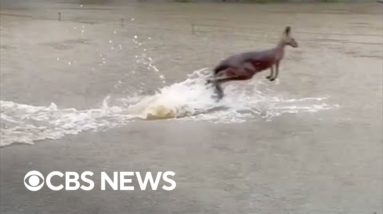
x: 25, y: 123
x: 191, y: 99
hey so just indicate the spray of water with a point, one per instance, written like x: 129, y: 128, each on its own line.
x: 191, y: 99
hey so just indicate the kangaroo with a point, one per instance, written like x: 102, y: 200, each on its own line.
x: 243, y: 66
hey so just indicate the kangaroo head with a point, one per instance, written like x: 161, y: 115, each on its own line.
x: 287, y: 39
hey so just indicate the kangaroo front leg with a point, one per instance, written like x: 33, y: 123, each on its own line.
x: 271, y: 73
x: 276, y: 72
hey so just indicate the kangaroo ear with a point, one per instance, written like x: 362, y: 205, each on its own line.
x: 287, y: 30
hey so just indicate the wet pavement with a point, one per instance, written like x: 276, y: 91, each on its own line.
x: 310, y: 142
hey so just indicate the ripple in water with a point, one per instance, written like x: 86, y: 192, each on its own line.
x: 191, y: 99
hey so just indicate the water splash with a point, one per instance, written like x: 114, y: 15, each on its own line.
x: 194, y: 99
x: 191, y: 99
x: 22, y: 123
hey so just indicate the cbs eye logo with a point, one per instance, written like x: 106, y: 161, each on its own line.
x: 34, y: 180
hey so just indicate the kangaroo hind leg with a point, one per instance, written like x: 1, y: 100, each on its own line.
x: 218, y: 91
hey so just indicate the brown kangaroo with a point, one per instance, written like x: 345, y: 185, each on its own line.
x: 243, y: 66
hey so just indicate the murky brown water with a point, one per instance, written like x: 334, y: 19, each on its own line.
x: 310, y: 142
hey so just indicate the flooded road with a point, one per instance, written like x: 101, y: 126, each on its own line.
x: 84, y: 83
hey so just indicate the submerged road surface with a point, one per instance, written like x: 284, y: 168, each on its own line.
x: 81, y: 83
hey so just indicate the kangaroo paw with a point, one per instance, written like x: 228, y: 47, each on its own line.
x: 272, y: 79
x: 218, y: 97
x: 268, y: 77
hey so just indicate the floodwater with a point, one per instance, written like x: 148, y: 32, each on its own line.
x: 129, y: 79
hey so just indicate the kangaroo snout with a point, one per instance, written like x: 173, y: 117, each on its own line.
x: 294, y: 44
